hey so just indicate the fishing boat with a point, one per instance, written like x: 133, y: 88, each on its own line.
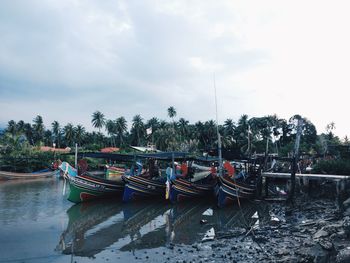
x: 151, y: 183
x: 232, y: 188
x: 186, y: 186
x: 85, y: 186
x: 39, y: 174
x: 143, y: 186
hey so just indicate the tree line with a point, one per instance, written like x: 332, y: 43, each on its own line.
x: 268, y: 134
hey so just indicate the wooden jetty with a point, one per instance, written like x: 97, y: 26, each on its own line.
x: 340, y: 180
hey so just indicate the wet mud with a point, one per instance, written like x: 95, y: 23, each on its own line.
x: 312, y: 229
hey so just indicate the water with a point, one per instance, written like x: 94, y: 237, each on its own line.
x: 38, y: 224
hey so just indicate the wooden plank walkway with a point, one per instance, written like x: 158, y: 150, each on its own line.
x: 307, y: 176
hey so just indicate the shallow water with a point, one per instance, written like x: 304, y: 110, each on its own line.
x: 38, y: 224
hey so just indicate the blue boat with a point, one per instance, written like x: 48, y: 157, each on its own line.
x: 139, y: 188
x: 230, y: 190
x: 182, y: 189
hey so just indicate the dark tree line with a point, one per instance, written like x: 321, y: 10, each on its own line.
x: 241, y: 138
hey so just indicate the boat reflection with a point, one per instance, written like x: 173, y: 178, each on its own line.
x: 97, y: 226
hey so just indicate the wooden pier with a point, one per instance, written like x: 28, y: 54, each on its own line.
x: 308, y: 176
x: 306, y: 179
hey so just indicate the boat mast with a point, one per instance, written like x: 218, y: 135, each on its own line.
x: 217, y: 131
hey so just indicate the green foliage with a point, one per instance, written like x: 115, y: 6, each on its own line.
x: 244, y: 137
x: 336, y: 166
x: 27, y: 160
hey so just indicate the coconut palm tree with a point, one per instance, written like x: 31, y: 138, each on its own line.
x: 171, y: 112
x: 111, y: 129
x: 137, y: 129
x: 29, y: 133
x: 153, y: 123
x: 228, y: 133
x: 79, y: 132
x: 183, y: 127
x: 98, y: 120
x: 69, y: 134
x: 121, y: 128
x: 56, y: 131
x: 47, y: 138
x: 38, y: 128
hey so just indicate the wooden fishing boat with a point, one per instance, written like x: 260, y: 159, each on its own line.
x: 229, y: 191
x: 150, y: 183
x: 40, y: 174
x: 85, y: 187
x: 195, y: 181
x: 184, y: 189
x: 138, y: 187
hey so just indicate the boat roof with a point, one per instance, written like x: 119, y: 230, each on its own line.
x: 132, y: 157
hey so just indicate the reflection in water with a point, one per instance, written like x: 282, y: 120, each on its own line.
x: 38, y: 224
x: 97, y: 226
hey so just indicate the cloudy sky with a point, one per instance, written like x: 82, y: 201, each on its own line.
x: 65, y: 59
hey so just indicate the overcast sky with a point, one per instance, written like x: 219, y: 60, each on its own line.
x: 65, y: 59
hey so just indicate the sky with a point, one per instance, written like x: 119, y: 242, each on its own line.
x: 65, y: 59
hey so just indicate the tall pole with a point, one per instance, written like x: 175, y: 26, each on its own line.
x: 217, y: 131
x: 76, y: 156
x: 295, y: 158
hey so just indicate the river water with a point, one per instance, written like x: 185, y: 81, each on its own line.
x: 38, y: 224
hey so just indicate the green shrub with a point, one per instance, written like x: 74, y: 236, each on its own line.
x: 337, y: 166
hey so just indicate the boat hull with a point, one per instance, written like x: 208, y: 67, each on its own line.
x: 229, y: 191
x: 139, y: 188
x: 86, y: 188
x: 181, y: 190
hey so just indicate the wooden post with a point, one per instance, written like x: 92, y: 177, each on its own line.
x: 267, y: 186
x: 295, y: 159
x: 259, y: 182
x: 292, y: 179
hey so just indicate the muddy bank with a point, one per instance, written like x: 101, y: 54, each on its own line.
x: 310, y: 230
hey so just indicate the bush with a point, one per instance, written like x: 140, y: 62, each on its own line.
x: 337, y: 166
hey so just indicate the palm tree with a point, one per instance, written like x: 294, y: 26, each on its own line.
x: 56, y: 131
x: 111, y: 129
x: 137, y: 129
x: 210, y: 133
x: 29, y: 133
x: 69, y: 134
x: 229, y: 131
x: 171, y: 112
x: 164, y: 139
x: 98, y: 120
x: 153, y: 123
x: 121, y: 128
x: 48, y: 137
x: 38, y: 128
x: 183, y: 127
x: 79, y: 133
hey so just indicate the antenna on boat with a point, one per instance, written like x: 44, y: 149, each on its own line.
x: 76, y: 156
x: 217, y: 131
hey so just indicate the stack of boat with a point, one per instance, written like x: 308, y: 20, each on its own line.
x: 173, y: 176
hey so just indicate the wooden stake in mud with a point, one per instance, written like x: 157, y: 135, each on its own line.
x: 295, y: 159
